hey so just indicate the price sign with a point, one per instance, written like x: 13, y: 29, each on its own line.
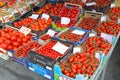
x: 107, y: 37
x: 25, y: 30
x: 113, y: 5
x: 59, y: 47
x: 77, y: 49
x: 65, y: 20
x: 119, y: 21
x: 45, y: 16
x: 78, y: 32
x: 51, y: 32
x: 91, y: 3
x: 103, y: 18
x: 34, y: 16
x: 84, y: 1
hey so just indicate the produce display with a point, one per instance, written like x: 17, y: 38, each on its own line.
x: 12, y: 40
x: 88, y: 23
x: 25, y: 22
x: 79, y: 63
x: 114, y: 13
x: 108, y: 27
x: 70, y: 36
x: 41, y: 24
x: 24, y: 51
x: 47, y: 50
x: 78, y: 49
x: 56, y: 9
x: 95, y: 44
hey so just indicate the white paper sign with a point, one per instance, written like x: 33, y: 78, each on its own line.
x: 107, y: 37
x: 113, y: 5
x: 97, y: 55
x: 34, y: 16
x: 103, y: 18
x: 93, y: 10
x: 25, y: 30
x: 45, y: 16
x: 65, y: 20
x: 84, y: 1
x: 51, y: 32
x: 91, y: 3
x: 59, y: 47
x: 92, y: 34
x: 78, y: 32
x: 118, y: 21
x: 77, y: 49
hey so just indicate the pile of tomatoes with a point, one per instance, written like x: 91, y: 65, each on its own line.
x: 114, y: 13
x: 25, y: 22
x: 95, y: 44
x: 45, y: 37
x: 41, y: 24
x: 12, y: 40
x: 108, y: 27
x: 24, y: 51
x: 47, y: 50
x: 88, y: 23
x: 79, y: 63
x: 56, y: 10
x: 69, y: 36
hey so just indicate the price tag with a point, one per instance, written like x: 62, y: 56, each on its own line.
x: 93, y: 10
x: 91, y: 3
x: 25, y: 30
x: 118, y: 21
x: 78, y: 32
x: 10, y: 54
x: 45, y: 16
x: 84, y: 1
x: 65, y: 20
x: 107, y: 37
x: 34, y: 16
x: 103, y: 18
x: 92, y: 34
x: 51, y: 32
x: 97, y: 55
x: 77, y: 49
x: 59, y: 47
x: 113, y: 5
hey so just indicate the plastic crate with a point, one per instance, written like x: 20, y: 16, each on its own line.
x: 73, y: 43
x: 58, y: 75
x: 42, y: 71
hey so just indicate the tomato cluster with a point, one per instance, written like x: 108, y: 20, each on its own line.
x: 71, y: 13
x: 47, y: 50
x: 58, y: 23
x: 95, y: 44
x: 108, y: 27
x: 102, y: 3
x: 114, y: 13
x: 24, y: 51
x: 12, y: 40
x: 88, y: 23
x: 46, y: 9
x: 79, y: 63
x: 45, y: 37
x: 41, y: 24
x: 68, y: 35
x: 56, y: 10
x: 25, y: 22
